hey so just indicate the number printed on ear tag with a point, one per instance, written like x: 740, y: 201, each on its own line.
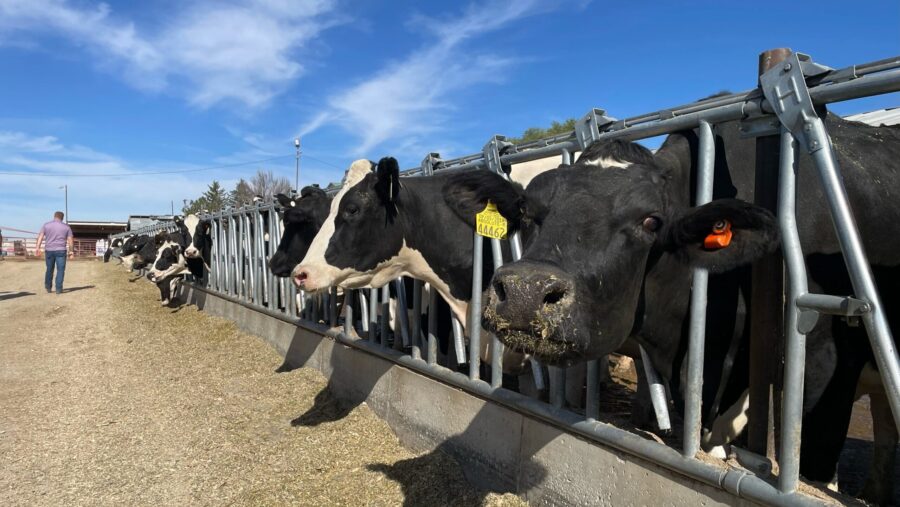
x: 490, y: 223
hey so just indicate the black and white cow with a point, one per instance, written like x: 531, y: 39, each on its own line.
x: 381, y: 227
x: 302, y: 218
x: 171, y: 262
x: 200, y: 246
x: 610, y: 254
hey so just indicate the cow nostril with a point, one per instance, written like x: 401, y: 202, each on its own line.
x: 554, y: 296
x: 500, y: 291
x: 300, y: 278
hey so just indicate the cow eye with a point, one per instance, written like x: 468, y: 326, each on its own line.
x: 352, y: 210
x: 651, y: 224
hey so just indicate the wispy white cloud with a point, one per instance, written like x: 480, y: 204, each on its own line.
x: 210, y: 52
x: 412, y: 98
x: 27, y: 200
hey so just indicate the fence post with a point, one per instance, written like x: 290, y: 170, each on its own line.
x: 767, y: 297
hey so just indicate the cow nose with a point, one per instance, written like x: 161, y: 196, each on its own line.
x: 524, y: 291
x: 300, y: 278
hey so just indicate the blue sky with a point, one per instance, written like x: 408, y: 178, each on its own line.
x: 129, y: 87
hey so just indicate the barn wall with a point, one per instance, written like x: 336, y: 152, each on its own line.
x: 500, y: 449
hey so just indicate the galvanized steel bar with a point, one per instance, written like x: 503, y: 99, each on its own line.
x: 693, y: 399
x: 402, y: 315
x: 373, y: 314
x: 416, y: 328
x: 592, y: 395
x: 459, y: 341
x: 348, y: 312
x: 795, y: 339
x: 557, y: 386
x: 657, y: 392
x: 497, y: 348
x: 333, y: 307
x: 385, y: 313
x: 858, y: 267
x: 474, y: 327
x: 431, y: 347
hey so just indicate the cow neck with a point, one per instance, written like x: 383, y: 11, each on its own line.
x: 437, y: 245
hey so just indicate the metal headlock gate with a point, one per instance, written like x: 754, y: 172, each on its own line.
x: 244, y: 239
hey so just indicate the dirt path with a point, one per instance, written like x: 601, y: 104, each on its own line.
x: 108, y: 399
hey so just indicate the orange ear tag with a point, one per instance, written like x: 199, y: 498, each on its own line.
x: 720, y: 236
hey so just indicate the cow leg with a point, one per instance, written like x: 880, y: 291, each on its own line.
x: 825, y: 426
x: 879, y: 484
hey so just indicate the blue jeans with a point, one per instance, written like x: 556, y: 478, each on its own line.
x: 58, y: 259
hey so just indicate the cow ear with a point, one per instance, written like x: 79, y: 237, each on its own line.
x: 312, y: 191
x: 387, y: 182
x: 722, y: 235
x: 285, y: 201
x: 468, y: 193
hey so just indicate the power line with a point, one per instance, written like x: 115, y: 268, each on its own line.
x: 144, y: 173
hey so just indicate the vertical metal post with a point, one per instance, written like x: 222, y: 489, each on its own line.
x: 274, y: 241
x: 566, y: 157
x: 858, y: 268
x: 475, y: 309
x: 459, y: 344
x: 348, y: 312
x: 496, y: 346
x: 697, y: 331
x: 373, y: 314
x: 557, y: 386
x: 363, y: 312
x: 385, y: 313
x: 795, y: 339
x: 402, y: 315
x: 213, y: 278
x: 766, y: 300
x: 431, y: 349
x: 592, y: 401
x: 333, y: 307
x: 416, y: 328
x: 657, y: 392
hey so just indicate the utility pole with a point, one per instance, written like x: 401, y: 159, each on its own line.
x: 173, y: 208
x: 297, y: 174
x: 66, y: 187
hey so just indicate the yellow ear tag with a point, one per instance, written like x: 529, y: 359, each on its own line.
x: 490, y: 223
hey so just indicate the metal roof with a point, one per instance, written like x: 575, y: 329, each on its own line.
x: 889, y: 116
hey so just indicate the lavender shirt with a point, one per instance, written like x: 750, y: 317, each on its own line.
x: 55, y: 235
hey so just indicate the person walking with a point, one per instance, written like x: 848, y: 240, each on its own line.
x: 59, y: 241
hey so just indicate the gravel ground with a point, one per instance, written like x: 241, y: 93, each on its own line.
x: 108, y: 399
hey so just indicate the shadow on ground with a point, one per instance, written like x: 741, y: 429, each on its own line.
x: 74, y: 289
x: 13, y: 295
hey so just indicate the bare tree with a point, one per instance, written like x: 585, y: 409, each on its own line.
x: 266, y: 184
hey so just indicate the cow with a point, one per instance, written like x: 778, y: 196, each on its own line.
x: 114, y: 249
x: 170, y: 260
x: 381, y: 227
x: 302, y: 217
x: 200, y: 246
x: 610, y: 255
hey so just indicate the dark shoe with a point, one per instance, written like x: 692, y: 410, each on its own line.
x: 49, y: 291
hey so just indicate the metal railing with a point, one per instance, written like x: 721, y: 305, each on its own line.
x: 782, y: 105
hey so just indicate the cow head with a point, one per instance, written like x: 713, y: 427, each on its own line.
x: 170, y: 258
x: 361, y: 233
x: 302, y: 217
x: 592, y: 236
x: 200, y: 242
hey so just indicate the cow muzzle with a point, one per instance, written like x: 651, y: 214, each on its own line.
x: 531, y: 308
x: 192, y: 253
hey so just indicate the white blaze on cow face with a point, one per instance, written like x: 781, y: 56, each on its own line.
x: 191, y: 221
x: 317, y: 272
